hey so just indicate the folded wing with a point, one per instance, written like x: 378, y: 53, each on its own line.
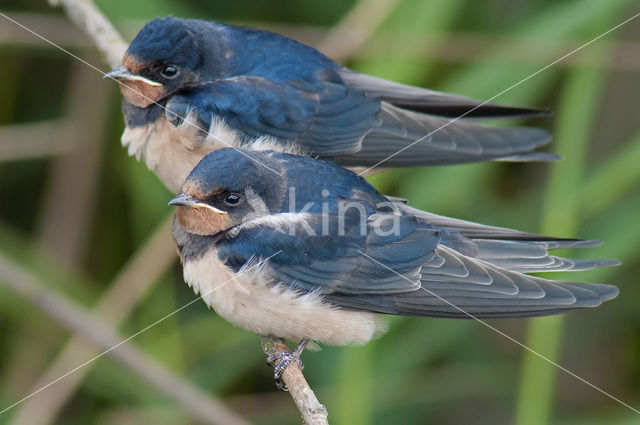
x: 432, y: 266
x: 430, y: 101
x: 354, y: 127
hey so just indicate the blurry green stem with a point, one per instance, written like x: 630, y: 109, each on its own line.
x: 122, y: 295
x: 354, y: 399
x: 560, y: 218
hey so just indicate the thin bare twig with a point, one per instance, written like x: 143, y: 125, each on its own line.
x: 77, y: 320
x: 86, y: 15
x: 312, y: 411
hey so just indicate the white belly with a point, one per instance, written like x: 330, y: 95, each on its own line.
x: 171, y: 152
x: 247, y: 300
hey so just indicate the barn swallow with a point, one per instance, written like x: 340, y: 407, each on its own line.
x: 190, y: 87
x: 314, y: 252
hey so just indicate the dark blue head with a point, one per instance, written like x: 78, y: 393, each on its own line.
x: 228, y: 187
x: 163, y: 58
x: 234, y: 170
x: 165, y: 41
x: 171, y: 54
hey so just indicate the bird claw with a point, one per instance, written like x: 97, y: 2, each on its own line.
x: 280, y: 361
x: 285, y: 360
x: 281, y: 385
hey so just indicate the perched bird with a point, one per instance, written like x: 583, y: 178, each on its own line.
x: 190, y: 87
x: 313, y: 252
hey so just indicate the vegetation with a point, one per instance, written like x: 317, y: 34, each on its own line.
x: 85, y: 219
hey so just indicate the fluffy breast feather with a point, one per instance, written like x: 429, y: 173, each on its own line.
x: 171, y: 151
x: 249, y: 299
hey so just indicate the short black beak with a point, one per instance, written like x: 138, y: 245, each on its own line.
x: 119, y: 73
x: 184, y: 200
x: 123, y: 73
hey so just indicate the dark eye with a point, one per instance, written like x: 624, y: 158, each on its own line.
x: 169, y: 71
x: 232, y: 199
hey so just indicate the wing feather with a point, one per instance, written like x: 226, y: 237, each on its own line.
x: 349, y: 125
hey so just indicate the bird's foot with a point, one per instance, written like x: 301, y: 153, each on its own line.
x: 280, y: 361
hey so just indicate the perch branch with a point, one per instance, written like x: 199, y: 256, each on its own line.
x: 312, y: 411
x: 86, y: 15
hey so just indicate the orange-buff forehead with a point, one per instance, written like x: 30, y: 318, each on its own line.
x: 131, y: 63
x: 195, y: 188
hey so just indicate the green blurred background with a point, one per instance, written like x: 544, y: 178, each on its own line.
x: 89, y: 224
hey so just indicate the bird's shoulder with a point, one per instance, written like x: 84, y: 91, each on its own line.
x: 250, y: 51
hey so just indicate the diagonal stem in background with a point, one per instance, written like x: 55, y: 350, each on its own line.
x: 206, y: 408
x: 561, y: 215
x: 358, y: 25
x: 65, y: 214
x: 85, y: 14
x: 135, y: 280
